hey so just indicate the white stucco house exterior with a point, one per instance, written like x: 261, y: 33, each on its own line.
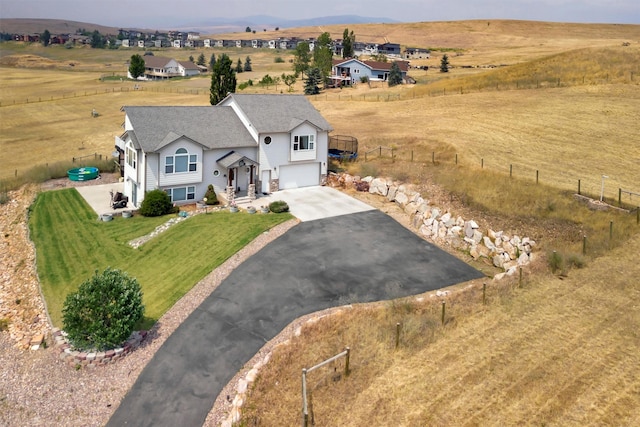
x: 246, y: 144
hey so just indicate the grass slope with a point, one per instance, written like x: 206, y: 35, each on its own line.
x: 71, y: 244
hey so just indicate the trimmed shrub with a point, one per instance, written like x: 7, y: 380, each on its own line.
x: 156, y: 203
x: 279, y: 206
x: 102, y: 313
x: 211, y: 197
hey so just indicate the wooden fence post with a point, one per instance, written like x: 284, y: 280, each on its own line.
x: 619, y: 196
x: 484, y: 294
x: 346, y: 363
x: 579, y: 187
x: 584, y: 245
x: 537, y: 177
x: 444, y: 304
x: 397, y: 335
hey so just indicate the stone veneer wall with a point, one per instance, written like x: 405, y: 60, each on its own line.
x: 443, y: 227
x: 75, y: 358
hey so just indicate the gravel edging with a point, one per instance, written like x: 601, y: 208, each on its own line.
x: 38, y: 388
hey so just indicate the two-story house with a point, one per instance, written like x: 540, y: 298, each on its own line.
x: 244, y: 145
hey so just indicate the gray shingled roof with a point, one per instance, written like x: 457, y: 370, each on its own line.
x: 211, y: 126
x: 279, y: 113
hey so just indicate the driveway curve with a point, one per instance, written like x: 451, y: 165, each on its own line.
x: 361, y: 257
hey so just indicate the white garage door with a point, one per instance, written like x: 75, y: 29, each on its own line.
x: 294, y: 176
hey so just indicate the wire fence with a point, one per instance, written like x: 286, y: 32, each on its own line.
x: 592, y: 188
x: 96, y: 92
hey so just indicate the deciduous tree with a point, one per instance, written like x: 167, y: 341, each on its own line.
x: 348, y: 42
x: 323, y: 56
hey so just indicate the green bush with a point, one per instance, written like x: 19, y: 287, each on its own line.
x: 279, y: 206
x: 102, y: 313
x: 278, y: 60
x: 156, y: 203
x: 211, y: 197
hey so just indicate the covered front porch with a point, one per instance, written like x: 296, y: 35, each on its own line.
x: 241, y: 176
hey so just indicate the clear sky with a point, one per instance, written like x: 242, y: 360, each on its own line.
x: 156, y: 13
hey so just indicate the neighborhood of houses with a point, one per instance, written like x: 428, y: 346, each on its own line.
x: 180, y: 39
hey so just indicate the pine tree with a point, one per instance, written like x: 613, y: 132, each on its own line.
x: 212, y: 61
x: 444, y: 64
x: 201, y: 59
x: 395, y: 75
x: 136, y: 66
x: 239, y: 68
x: 223, y: 79
x: 247, y: 64
x: 311, y: 83
x: 46, y: 38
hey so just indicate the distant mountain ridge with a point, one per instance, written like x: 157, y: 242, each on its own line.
x: 209, y: 26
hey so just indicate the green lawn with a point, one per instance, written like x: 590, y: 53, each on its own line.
x: 71, y: 244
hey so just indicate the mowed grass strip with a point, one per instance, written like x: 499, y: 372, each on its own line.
x: 71, y: 244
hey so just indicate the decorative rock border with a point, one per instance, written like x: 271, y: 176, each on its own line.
x: 443, y: 228
x: 77, y: 359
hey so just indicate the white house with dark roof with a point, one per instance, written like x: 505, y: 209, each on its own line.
x: 244, y: 145
x: 351, y: 70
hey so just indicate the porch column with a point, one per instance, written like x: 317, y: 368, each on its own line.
x: 251, y: 189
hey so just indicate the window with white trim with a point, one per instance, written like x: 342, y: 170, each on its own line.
x: 131, y: 157
x: 181, y: 194
x: 303, y: 142
x: 181, y: 161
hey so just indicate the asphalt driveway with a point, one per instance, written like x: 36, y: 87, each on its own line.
x: 359, y: 257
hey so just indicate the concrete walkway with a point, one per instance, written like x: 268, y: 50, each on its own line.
x: 360, y: 257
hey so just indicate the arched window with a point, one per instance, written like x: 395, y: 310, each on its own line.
x: 181, y: 161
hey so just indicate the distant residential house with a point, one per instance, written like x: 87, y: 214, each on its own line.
x: 159, y: 68
x: 392, y: 49
x: 257, y: 43
x: 208, y: 43
x: 417, y: 53
x: 246, y: 144
x: 349, y: 71
x: 178, y: 43
x: 126, y: 43
x: 193, y: 35
x: 361, y: 48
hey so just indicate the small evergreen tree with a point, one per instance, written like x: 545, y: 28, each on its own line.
x: 191, y: 58
x: 210, y: 196
x: 444, y: 64
x: 102, y: 313
x: 156, y: 203
x: 239, y: 68
x: 395, y: 75
x: 136, y: 66
x: 313, y: 80
x: 247, y: 30
x: 201, y: 59
x: 212, y: 61
x: 223, y: 80
x: 247, y: 64
x: 45, y: 38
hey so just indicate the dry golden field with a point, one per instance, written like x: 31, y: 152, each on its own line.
x: 561, y: 350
